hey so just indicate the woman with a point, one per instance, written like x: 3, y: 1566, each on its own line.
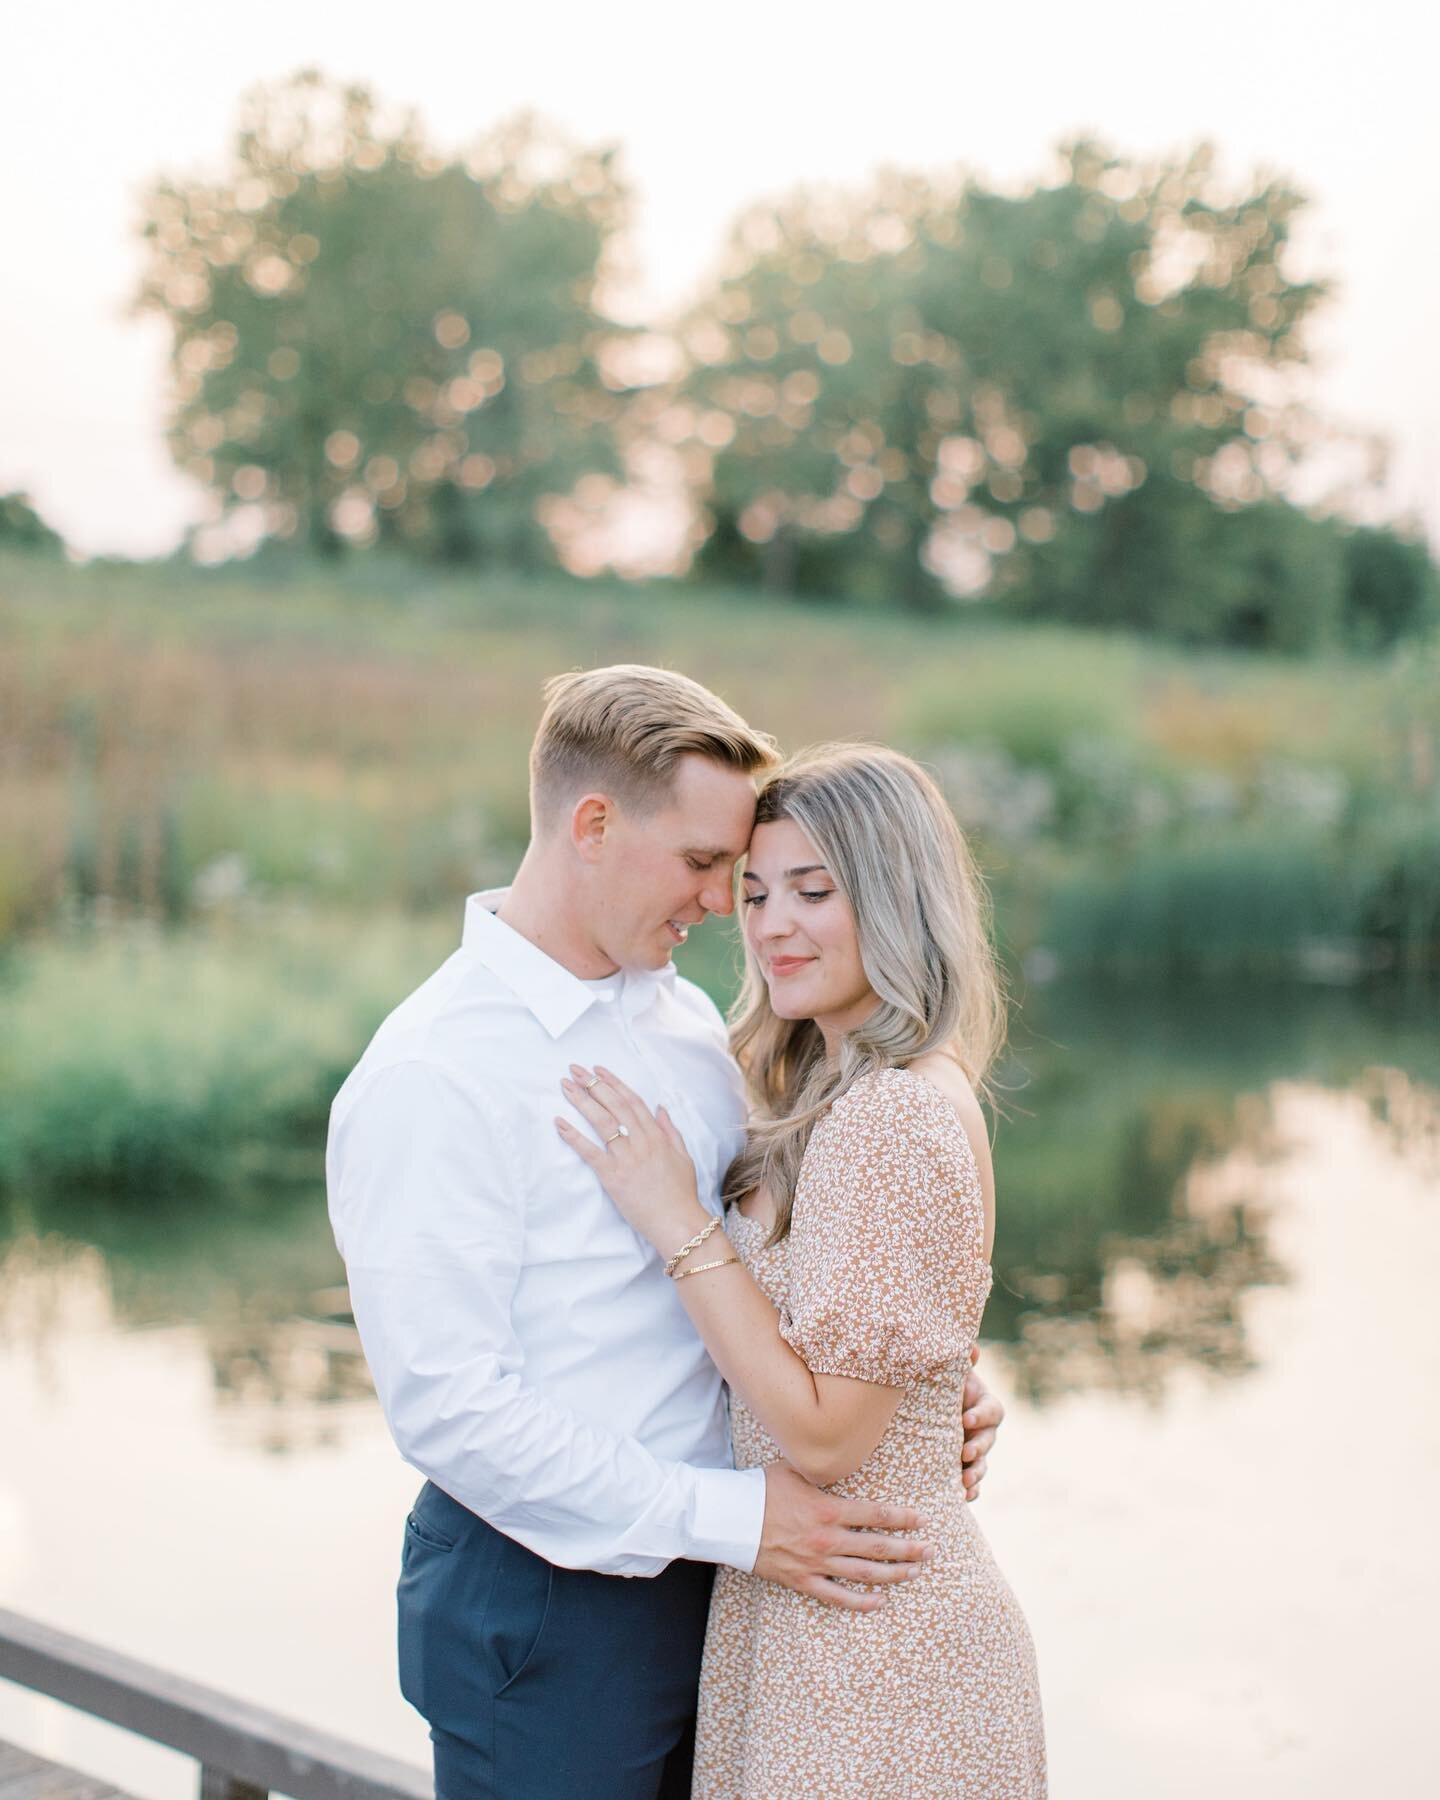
x: 843, y: 1296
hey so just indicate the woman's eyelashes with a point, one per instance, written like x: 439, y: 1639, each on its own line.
x: 811, y: 894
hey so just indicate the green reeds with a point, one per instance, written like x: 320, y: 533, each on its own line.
x: 152, y: 1063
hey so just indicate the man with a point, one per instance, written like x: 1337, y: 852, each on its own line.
x: 531, y: 1357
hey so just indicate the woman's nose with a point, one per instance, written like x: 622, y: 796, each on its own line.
x: 773, y: 922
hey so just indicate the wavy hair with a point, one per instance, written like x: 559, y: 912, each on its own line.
x: 922, y: 914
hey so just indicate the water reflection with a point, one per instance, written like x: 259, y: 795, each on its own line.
x: 256, y: 1292
x: 1218, y: 1235
x: 1135, y: 1217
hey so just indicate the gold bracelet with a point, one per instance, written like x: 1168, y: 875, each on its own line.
x: 694, y: 1244
x: 724, y: 1262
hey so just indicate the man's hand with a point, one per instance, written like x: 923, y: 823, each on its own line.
x: 981, y: 1418
x: 812, y: 1540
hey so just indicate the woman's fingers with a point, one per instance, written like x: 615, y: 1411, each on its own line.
x: 590, y: 1108
x: 579, y: 1143
x: 623, y: 1101
x: 609, y: 1092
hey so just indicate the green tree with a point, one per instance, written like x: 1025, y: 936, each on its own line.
x: 22, y: 528
x: 374, y: 340
x: 1391, y: 587
x: 1062, y: 398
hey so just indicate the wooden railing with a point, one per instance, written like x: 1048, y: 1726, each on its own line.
x: 244, y: 1751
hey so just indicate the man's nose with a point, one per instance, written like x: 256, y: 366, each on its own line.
x: 718, y: 896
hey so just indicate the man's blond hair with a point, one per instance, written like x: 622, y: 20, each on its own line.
x: 621, y: 731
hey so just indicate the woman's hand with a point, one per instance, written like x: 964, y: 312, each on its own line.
x: 641, y: 1158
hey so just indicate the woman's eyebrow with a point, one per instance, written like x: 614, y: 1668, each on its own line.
x: 790, y: 874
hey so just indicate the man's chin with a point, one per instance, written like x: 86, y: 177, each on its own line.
x: 647, y: 955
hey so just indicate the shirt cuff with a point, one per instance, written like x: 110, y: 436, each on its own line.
x: 727, y: 1516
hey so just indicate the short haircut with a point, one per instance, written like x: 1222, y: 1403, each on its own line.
x: 622, y: 730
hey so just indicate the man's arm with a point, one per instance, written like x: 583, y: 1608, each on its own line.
x: 428, y: 1205
x: 427, y: 1200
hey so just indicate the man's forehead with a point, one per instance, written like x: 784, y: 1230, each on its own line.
x: 706, y: 817
x: 707, y: 832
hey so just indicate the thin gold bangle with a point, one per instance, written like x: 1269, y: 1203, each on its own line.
x: 694, y: 1244
x: 700, y: 1269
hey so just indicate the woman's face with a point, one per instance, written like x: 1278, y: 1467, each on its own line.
x: 800, y: 929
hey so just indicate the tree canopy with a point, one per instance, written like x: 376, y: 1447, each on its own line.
x: 1084, y: 399
x: 22, y: 528
x: 375, y: 340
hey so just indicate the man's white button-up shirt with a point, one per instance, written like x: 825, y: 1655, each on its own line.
x: 530, y: 1354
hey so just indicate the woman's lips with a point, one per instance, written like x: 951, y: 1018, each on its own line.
x: 787, y: 965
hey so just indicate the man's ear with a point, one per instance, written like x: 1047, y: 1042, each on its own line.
x: 592, y: 818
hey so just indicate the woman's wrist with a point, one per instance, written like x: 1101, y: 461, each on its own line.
x: 681, y: 1224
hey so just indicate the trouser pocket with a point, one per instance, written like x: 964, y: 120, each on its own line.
x: 472, y: 1605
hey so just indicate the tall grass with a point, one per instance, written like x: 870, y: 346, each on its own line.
x: 155, y: 1064
x: 188, y: 747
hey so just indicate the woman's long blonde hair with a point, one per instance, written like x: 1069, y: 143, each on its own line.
x: 922, y: 913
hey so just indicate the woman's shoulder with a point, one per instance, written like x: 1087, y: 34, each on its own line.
x: 942, y: 1071
x: 928, y: 1104
x: 929, y: 1094
x: 892, y: 1140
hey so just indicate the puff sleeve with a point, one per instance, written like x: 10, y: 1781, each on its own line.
x: 888, y: 1279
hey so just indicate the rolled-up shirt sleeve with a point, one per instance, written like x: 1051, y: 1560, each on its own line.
x: 428, y: 1205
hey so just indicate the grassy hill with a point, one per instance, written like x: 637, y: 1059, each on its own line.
x: 180, y: 742
x: 239, y: 811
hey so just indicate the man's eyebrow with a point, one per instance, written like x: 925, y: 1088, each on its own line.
x: 714, y: 855
x: 790, y: 874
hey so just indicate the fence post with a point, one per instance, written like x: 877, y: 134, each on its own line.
x: 215, y: 1784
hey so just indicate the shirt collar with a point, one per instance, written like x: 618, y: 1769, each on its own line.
x: 555, y: 996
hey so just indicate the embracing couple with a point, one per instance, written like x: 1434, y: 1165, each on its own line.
x: 679, y: 1322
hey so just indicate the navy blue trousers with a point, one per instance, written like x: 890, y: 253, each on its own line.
x: 542, y: 1683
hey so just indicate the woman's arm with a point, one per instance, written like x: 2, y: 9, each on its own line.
x: 826, y: 1425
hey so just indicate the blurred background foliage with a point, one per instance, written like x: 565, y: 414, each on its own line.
x: 1086, y: 401
x: 1006, y: 479
x: 374, y: 342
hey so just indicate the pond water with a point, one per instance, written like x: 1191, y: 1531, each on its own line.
x: 1213, y: 1325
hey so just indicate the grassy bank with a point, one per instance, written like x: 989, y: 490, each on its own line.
x: 192, y: 748
x: 153, y: 1064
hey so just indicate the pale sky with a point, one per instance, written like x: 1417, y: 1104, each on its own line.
x: 713, y: 109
